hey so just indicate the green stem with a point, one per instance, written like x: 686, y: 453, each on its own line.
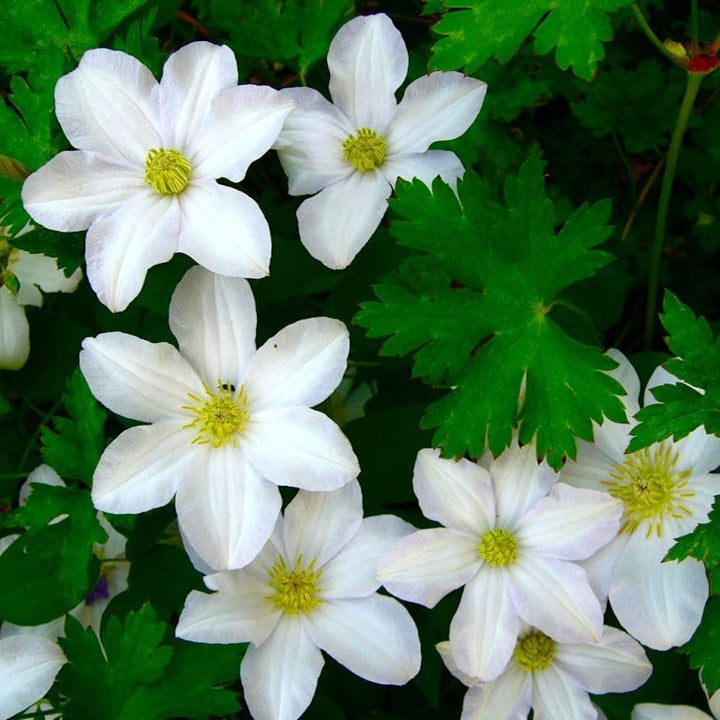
x: 640, y: 17
x: 691, y: 90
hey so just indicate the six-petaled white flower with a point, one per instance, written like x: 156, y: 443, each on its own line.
x: 143, y: 179
x: 510, y: 535
x: 229, y: 423
x: 351, y: 153
x: 312, y: 588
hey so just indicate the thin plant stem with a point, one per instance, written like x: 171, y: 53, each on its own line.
x: 641, y: 198
x: 654, y: 39
x: 714, y: 46
x: 691, y: 89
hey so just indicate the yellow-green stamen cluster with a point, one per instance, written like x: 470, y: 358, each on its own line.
x: 366, y: 150
x: 221, y: 416
x: 167, y: 171
x: 498, y: 547
x: 650, y: 488
x: 296, y: 590
x: 535, y: 652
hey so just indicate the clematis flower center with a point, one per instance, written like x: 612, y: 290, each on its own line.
x: 498, y: 547
x: 221, y: 416
x: 365, y: 150
x: 296, y: 590
x: 167, y: 171
x: 535, y: 652
x: 650, y: 488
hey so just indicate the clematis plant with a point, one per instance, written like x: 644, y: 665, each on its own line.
x: 352, y: 152
x: 143, y: 179
x: 228, y: 423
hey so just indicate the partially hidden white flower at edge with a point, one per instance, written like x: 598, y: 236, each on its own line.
x: 554, y: 678
x: 143, y: 179
x: 22, y: 276
x: 511, y: 535
x: 351, y: 152
x: 311, y: 589
x: 666, y: 490
x: 227, y: 423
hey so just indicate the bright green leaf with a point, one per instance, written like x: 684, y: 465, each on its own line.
x: 703, y: 543
x: 703, y: 647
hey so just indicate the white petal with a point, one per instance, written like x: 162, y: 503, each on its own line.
x: 425, y: 566
x: 192, y: 76
x: 555, y: 597
x: 627, y: 376
x: 14, y: 332
x: 120, y: 248
x: 75, y: 188
x: 458, y: 494
x: 28, y: 666
x: 425, y: 166
x: 655, y: 711
x: 310, y: 144
x: 485, y: 627
x: 238, y: 612
x: 368, y: 62
x: 438, y: 106
x: 373, y: 637
x: 277, y: 684
x: 570, y: 523
x: 336, y: 223
x: 507, y: 698
x: 319, y: 524
x: 299, y: 447
x: 300, y: 365
x: 595, y: 461
x: 660, y: 604
x: 558, y: 696
x: 600, y: 567
x: 224, y: 230
x: 226, y: 510
x: 699, y: 452
x: 138, y: 379
x: 352, y: 572
x: 109, y: 104
x: 42, y: 271
x: 242, y: 125
x: 616, y: 663
x: 43, y: 475
x: 214, y: 321
x: 142, y: 468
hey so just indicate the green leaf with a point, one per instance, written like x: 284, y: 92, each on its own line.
x: 477, y: 30
x: 703, y: 647
x: 50, y: 568
x: 681, y: 408
x: 74, y: 446
x: 703, y: 543
x: 477, y: 309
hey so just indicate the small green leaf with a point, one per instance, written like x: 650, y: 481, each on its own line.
x: 703, y: 647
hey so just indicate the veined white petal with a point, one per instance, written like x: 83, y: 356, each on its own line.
x: 300, y: 365
x: 242, y: 125
x: 425, y: 166
x: 507, y: 698
x: 75, y: 188
x: 627, y: 376
x: 120, y: 248
x: 485, y: 627
x: 368, y: 62
x: 278, y: 684
x: 192, y: 77
x: 595, y: 461
x: 224, y: 230
x: 438, y: 106
x: 214, y: 321
x: 14, y: 332
x: 336, y: 223
x: 28, y: 666
x: 142, y: 468
x: 425, y: 566
x: 310, y: 144
x: 655, y: 711
x: 227, y: 511
x: 319, y: 524
x: 373, y: 637
x: 699, y: 452
x: 42, y: 271
x: 458, y: 494
x: 109, y: 104
x: 600, y: 567
x: 139, y: 379
x: 299, y: 447
x: 559, y: 696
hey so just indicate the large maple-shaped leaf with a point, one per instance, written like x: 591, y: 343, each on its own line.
x: 476, y: 307
x: 477, y: 30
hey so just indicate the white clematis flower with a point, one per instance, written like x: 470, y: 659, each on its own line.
x: 228, y: 423
x: 666, y: 490
x: 22, y: 276
x: 351, y: 153
x: 510, y: 535
x: 312, y: 588
x: 553, y: 678
x: 143, y: 180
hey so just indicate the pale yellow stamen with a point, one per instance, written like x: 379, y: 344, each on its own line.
x: 534, y: 652
x: 296, y: 590
x: 167, y: 171
x: 498, y: 547
x: 366, y: 150
x: 221, y: 416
